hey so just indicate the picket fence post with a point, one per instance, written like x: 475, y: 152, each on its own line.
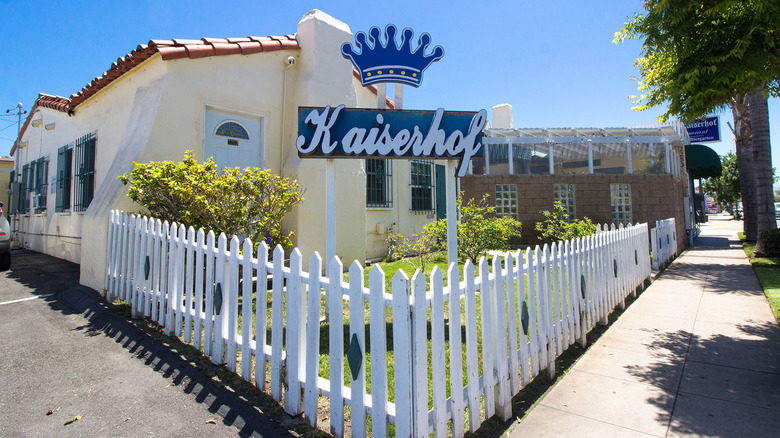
x: 295, y: 339
x: 336, y: 344
x: 402, y: 351
x: 261, y: 306
x: 379, y: 404
x: 313, y: 339
x: 487, y: 338
x: 419, y: 357
x: 438, y: 364
x: 472, y: 368
x: 456, y: 352
x: 246, y: 308
x: 277, y: 302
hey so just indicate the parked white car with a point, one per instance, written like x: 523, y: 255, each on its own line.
x: 5, y: 242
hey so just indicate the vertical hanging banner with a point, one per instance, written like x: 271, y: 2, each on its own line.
x: 360, y: 133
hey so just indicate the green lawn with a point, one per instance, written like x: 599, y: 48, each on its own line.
x: 768, y: 272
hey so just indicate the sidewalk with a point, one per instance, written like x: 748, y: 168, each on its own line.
x: 697, y: 354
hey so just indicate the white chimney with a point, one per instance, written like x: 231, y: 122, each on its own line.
x: 502, y: 117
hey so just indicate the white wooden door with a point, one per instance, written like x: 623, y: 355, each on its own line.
x: 233, y: 139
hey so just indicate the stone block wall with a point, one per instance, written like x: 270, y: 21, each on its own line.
x: 653, y: 197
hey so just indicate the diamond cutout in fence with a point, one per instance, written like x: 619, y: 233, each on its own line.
x: 582, y: 286
x: 524, y: 316
x: 218, y: 299
x: 354, y: 356
x: 146, y: 268
x: 636, y: 257
x: 614, y: 264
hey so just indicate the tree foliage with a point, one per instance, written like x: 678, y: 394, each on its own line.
x: 557, y: 225
x: 479, y: 230
x: 697, y: 55
x: 248, y: 203
x: 725, y: 188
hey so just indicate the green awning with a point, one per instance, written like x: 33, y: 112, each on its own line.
x: 702, y: 161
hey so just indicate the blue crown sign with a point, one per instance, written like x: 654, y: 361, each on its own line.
x: 387, y: 62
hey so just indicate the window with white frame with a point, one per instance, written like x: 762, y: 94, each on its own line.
x: 506, y: 200
x: 564, y: 194
x: 621, y: 203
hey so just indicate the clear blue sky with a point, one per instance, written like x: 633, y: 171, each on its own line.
x: 554, y: 61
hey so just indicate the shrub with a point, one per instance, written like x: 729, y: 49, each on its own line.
x: 249, y: 203
x: 479, y: 231
x: 771, y: 242
x: 556, y: 226
x: 419, y: 248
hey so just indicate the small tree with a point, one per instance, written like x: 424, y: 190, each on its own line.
x: 556, y: 225
x: 725, y: 188
x: 479, y: 231
x: 249, y: 202
x: 419, y: 249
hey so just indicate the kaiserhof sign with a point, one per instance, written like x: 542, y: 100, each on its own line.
x: 360, y: 133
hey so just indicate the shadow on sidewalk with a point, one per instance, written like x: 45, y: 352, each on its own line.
x: 717, y: 374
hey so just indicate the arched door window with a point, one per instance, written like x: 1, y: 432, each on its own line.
x: 232, y: 129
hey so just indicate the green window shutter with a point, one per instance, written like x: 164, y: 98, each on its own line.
x: 59, y: 200
x: 24, y: 202
x: 42, y: 183
x: 90, y: 183
x: 14, y: 186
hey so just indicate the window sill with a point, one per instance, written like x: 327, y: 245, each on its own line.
x: 379, y: 208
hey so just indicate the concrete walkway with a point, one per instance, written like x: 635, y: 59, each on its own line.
x: 697, y: 354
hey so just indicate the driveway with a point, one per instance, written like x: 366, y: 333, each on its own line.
x: 66, y: 357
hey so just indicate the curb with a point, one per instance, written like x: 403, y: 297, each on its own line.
x: 248, y: 420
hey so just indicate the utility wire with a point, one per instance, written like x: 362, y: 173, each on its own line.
x: 12, y: 124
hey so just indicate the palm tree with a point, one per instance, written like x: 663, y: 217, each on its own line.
x: 762, y: 153
x: 745, y: 164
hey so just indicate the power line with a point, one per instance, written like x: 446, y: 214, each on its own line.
x: 12, y: 124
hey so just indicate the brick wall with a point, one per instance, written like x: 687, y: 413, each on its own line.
x: 653, y: 197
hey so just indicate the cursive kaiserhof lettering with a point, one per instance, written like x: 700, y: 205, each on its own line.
x: 341, y: 132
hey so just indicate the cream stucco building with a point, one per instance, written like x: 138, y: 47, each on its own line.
x: 234, y: 99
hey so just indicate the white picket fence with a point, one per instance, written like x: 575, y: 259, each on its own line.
x: 663, y: 239
x: 518, y: 315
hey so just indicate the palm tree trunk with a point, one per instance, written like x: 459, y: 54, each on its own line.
x: 745, y: 165
x: 762, y: 153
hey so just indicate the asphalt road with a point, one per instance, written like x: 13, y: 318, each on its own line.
x: 64, y: 356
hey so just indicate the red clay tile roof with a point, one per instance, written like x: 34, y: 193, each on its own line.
x: 181, y: 48
x: 168, y: 50
x: 58, y: 103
